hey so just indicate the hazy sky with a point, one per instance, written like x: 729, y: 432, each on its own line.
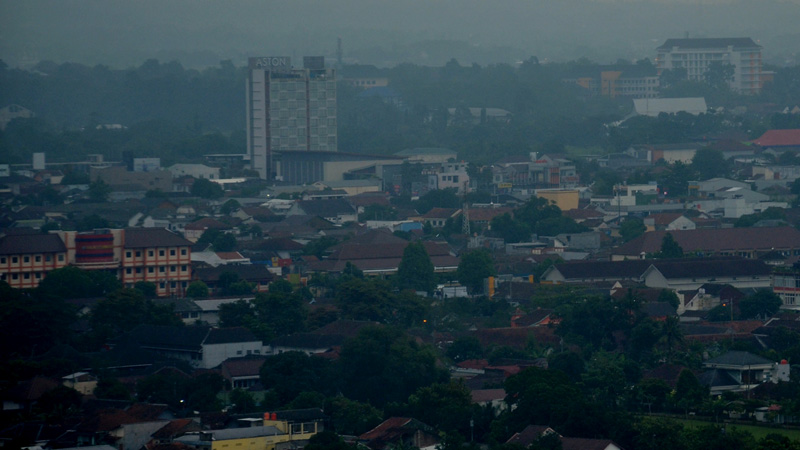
x: 203, y: 32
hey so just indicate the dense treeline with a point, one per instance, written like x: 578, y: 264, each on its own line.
x: 179, y: 114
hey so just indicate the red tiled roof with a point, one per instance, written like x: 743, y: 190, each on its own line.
x: 779, y: 138
x: 241, y: 367
x: 487, y: 214
x: 441, y: 213
x: 570, y: 443
x: 384, y: 427
x: 487, y: 395
x: 716, y: 240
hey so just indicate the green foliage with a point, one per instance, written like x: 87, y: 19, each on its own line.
x: 197, y: 289
x: 382, y: 365
x: 444, y: 406
x: 147, y: 288
x: 58, y: 403
x: 688, y: 390
x: 318, y: 247
x: 631, y: 228
x: 71, y: 282
x: 377, y: 212
x: 415, y: 270
x: 206, y: 189
x: 709, y: 163
x: 669, y: 296
x: 509, y: 229
x: 291, y: 373
x: 243, y: 402
x: 474, y: 267
x: 99, y: 191
x: 762, y: 304
x: 180, y: 391
x: 350, y: 417
x: 125, y: 309
x: 438, y: 198
x: 568, y: 362
x: 771, y: 213
x: 31, y: 326
x: 224, y: 242
x: 670, y: 248
x: 229, y: 206
x: 328, y: 440
x: 658, y: 434
x: 112, y: 389
x: 465, y: 348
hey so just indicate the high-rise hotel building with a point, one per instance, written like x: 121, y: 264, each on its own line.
x: 288, y: 110
x: 696, y: 56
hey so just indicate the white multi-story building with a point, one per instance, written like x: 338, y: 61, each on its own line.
x: 289, y: 109
x: 696, y: 55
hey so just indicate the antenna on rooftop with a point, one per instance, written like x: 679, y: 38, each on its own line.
x: 465, y: 212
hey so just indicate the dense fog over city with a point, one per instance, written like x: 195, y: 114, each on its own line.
x: 201, y: 33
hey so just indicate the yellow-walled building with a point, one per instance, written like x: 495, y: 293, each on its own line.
x: 565, y: 199
x: 291, y: 428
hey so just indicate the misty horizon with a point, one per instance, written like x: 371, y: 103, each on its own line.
x: 200, y: 34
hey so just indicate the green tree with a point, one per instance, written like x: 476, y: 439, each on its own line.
x: 631, y: 228
x: 112, y: 389
x: 465, y: 348
x: 206, y: 189
x: 671, y: 333
x: 473, y: 268
x: 444, y: 406
x: 689, y: 393
x: 658, y: 433
x: 509, y: 229
x: 229, y: 206
x: 670, y: 248
x: 72, y: 282
x: 126, y: 308
x: 224, y: 242
x: 382, y: 364
x: 291, y: 373
x: 350, y: 417
x: 709, y: 163
x: 415, y: 270
x: 243, y: 402
x: 147, y: 288
x: 99, y: 191
x: 762, y: 304
x: 197, y: 289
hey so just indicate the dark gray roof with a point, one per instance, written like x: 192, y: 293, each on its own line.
x: 326, y: 208
x: 709, y: 43
x: 631, y: 269
x: 189, y: 337
x: 716, y: 377
x: 658, y: 309
x: 308, y: 341
x: 153, y: 237
x: 247, y: 272
x: 229, y: 335
x: 31, y: 243
x: 301, y: 415
x: 737, y: 358
x: 711, y: 267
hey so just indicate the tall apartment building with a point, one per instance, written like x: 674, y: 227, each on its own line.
x: 696, y: 55
x: 288, y: 109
